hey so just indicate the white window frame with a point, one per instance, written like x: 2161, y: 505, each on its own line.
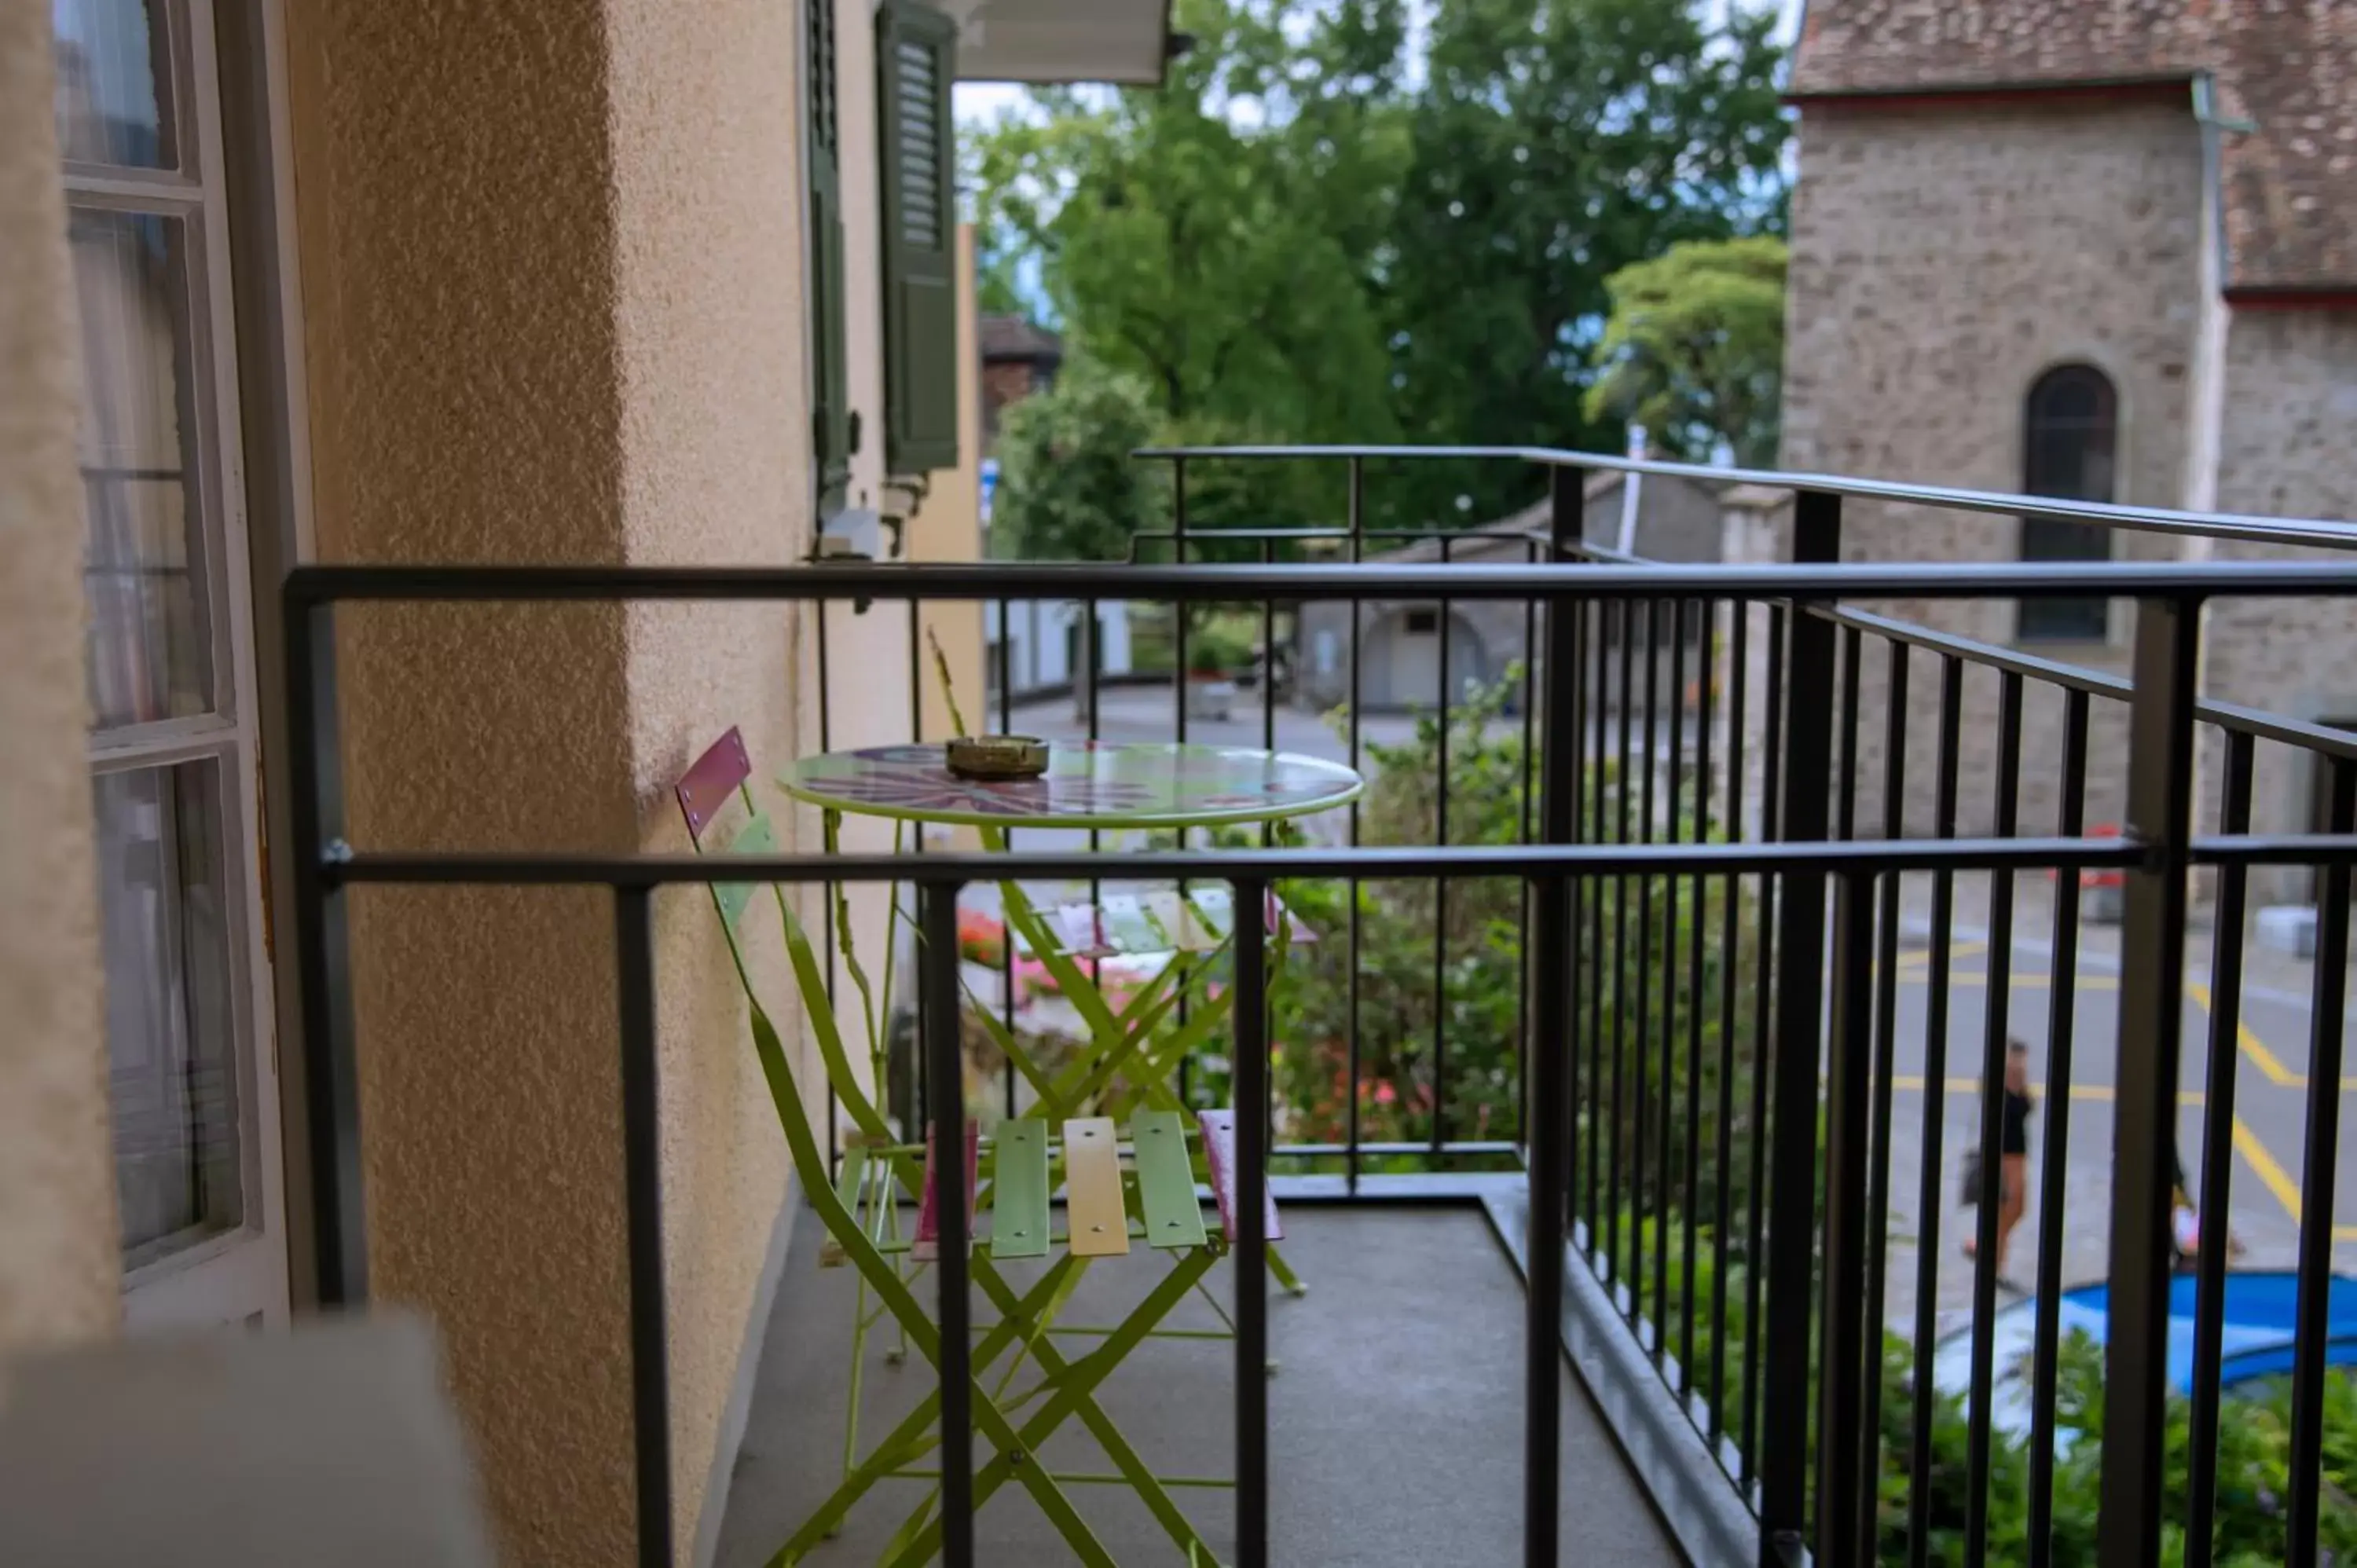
x: 239, y: 1275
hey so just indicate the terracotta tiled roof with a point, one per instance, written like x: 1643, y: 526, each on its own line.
x: 1013, y: 337
x: 2287, y: 66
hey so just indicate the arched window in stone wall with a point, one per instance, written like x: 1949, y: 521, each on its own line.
x: 2070, y: 424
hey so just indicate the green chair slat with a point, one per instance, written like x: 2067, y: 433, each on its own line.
x: 756, y: 837
x: 1165, y: 1180
x: 1019, y: 1191
x: 850, y: 1180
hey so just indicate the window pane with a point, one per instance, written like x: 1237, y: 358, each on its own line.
x: 164, y: 918
x: 113, y: 102
x: 150, y: 653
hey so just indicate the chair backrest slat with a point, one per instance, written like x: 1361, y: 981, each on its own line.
x: 708, y: 786
x: 756, y: 837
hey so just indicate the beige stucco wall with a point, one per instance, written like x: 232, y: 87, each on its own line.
x: 552, y: 267
x: 60, y: 1275
x: 1940, y: 262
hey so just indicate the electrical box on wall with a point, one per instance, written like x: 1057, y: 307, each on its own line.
x: 855, y: 534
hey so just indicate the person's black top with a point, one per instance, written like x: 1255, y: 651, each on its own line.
x: 2017, y: 1123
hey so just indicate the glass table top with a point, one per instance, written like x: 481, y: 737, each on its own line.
x: 1088, y: 784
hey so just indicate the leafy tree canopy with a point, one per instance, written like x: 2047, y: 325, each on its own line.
x: 1316, y: 232
x: 1069, y: 490
x: 1556, y: 142
x: 1695, y: 348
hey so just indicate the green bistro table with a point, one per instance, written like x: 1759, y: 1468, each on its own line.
x: 1123, y: 1069
x: 1090, y: 785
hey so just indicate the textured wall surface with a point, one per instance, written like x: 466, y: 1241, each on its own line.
x: 2287, y: 447
x: 1940, y: 262
x: 60, y: 1275
x: 458, y: 283
x: 552, y: 265
x: 710, y: 321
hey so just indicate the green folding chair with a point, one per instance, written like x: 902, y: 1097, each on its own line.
x: 1110, y: 1207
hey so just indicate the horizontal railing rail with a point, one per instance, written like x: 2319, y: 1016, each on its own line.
x: 1371, y: 863
x: 2321, y: 532
x: 1296, y: 584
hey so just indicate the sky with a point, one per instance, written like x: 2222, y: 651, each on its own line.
x: 980, y: 103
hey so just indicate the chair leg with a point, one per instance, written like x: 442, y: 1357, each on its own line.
x: 859, y: 1361
x: 911, y: 1438
x: 1126, y: 1459
x: 1079, y: 1386
x: 898, y: 1354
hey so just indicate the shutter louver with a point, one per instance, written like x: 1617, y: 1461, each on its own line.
x: 830, y: 379
x: 915, y: 61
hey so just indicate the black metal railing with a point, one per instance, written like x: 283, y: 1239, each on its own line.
x: 1728, y: 1222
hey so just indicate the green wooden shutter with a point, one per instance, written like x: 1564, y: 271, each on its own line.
x: 831, y: 424
x: 915, y: 59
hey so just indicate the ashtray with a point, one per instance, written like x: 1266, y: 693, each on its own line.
x: 997, y: 756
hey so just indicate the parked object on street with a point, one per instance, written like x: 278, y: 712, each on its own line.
x: 2262, y: 1310
x: 2288, y: 928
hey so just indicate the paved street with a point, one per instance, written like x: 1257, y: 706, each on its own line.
x: 2268, y: 1131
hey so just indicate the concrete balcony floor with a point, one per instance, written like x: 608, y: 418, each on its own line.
x: 1395, y: 1418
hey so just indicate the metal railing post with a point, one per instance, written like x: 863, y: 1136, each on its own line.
x: 944, y: 1059
x: 634, y: 955
x: 1806, y: 793
x: 331, y: 1101
x: 1846, y: 1446
x: 1547, y: 1116
x: 1251, y: 1250
x: 2152, y: 1022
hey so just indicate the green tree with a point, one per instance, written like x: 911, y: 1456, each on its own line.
x: 1068, y: 488
x: 1555, y: 142
x: 1214, y: 238
x: 1695, y: 348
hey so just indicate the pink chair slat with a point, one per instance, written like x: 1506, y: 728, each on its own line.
x: 928, y: 1245
x: 1220, y: 1154
x: 1130, y: 925
x: 716, y: 776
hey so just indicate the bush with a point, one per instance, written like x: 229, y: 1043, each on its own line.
x: 2254, y: 1484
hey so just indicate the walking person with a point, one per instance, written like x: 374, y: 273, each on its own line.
x: 2013, y: 1154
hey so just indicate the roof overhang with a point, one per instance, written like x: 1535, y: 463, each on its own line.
x: 1045, y: 43
x: 2267, y: 296
x: 2167, y: 87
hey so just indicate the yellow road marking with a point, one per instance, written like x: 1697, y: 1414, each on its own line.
x: 2272, y: 1176
x: 2276, y: 1179
x: 2266, y: 1060
x: 1955, y: 949
x: 2032, y: 982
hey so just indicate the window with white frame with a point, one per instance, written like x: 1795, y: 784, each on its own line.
x: 173, y: 749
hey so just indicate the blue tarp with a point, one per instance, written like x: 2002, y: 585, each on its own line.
x: 2261, y: 1321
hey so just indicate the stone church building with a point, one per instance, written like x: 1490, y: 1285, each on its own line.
x: 2101, y: 248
